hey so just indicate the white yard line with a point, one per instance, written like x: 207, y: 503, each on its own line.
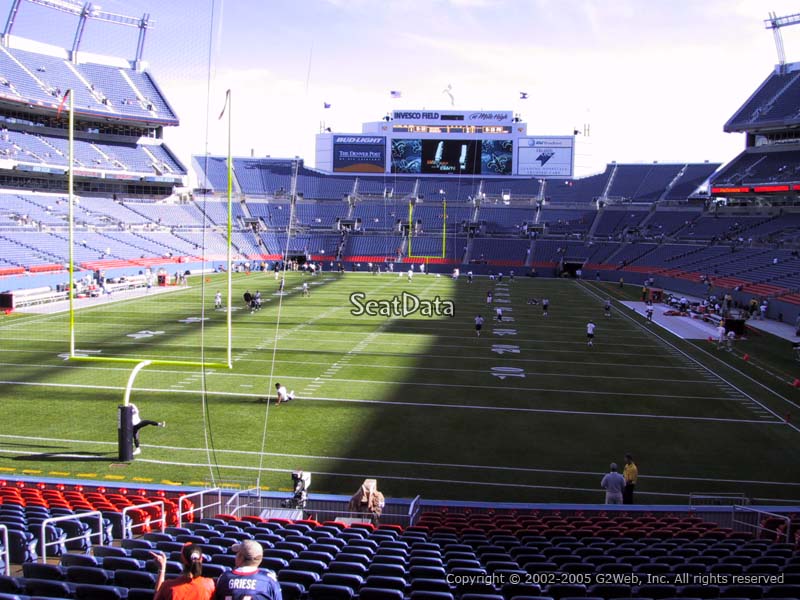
x: 425, y: 404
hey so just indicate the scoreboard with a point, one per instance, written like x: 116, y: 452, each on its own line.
x: 446, y: 142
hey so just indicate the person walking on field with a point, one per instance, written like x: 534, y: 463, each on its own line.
x: 614, y: 484
x: 631, y: 473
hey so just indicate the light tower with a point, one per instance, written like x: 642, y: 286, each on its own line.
x: 776, y: 23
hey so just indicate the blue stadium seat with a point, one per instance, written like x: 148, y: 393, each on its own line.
x: 113, y: 563
x: 290, y: 590
x: 386, y: 570
x: 323, y: 591
x: 90, y: 575
x: 354, y: 582
x: 11, y: 585
x: 85, y: 591
x: 109, y: 551
x: 304, y: 578
x: 42, y: 571
x: 430, y: 595
x: 134, y: 579
x: 214, y: 571
x: 48, y: 587
x: 73, y: 560
x: 374, y: 593
x: 131, y: 543
x: 140, y: 594
x: 385, y: 582
x: 21, y: 546
x: 430, y: 585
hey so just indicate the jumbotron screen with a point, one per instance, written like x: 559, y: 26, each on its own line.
x: 445, y: 157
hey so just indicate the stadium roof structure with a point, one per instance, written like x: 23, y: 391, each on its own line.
x: 774, y: 105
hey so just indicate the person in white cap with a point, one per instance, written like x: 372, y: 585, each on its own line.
x: 247, y: 581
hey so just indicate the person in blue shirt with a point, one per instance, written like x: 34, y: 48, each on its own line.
x: 614, y: 485
x: 247, y: 581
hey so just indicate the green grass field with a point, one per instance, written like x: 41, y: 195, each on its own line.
x: 421, y: 403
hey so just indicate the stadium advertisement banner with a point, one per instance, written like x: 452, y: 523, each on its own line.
x: 447, y: 157
x: 454, y: 116
x: 546, y: 156
x: 359, y: 154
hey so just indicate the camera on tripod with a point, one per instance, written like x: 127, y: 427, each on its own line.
x: 301, y: 482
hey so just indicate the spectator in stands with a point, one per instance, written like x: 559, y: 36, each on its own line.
x: 631, y: 474
x: 614, y: 484
x: 139, y: 423
x: 368, y: 500
x: 247, y: 581
x: 188, y: 585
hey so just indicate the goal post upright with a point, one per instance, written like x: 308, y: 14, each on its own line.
x: 71, y: 209
x: 229, y: 315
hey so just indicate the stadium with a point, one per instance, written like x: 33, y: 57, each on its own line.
x: 440, y: 309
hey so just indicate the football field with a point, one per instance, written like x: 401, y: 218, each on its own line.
x: 526, y: 411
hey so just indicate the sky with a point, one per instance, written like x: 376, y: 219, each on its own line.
x: 647, y: 80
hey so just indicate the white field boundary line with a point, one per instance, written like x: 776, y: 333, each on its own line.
x: 511, y: 409
x: 224, y: 374
x: 591, y: 292
x: 407, y: 383
x: 399, y: 462
x: 482, y: 359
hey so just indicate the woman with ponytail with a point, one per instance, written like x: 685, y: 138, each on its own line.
x: 189, y: 585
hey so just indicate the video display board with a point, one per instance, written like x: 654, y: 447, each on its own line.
x: 446, y: 157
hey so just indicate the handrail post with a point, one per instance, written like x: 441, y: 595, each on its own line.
x: 6, y: 550
x: 75, y: 517
x: 127, y: 509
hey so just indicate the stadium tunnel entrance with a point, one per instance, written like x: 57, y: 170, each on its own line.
x: 572, y: 267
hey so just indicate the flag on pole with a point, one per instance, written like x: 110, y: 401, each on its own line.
x: 227, y: 100
x: 396, y: 94
x: 326, y: 105
x: 523, y: 95
x: 63, y: 102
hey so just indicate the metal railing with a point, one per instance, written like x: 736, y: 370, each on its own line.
x: 6, y: 551
x: 750, y: 519
x: 128, y: 531
x: 721, y: 499
x: 233, y: 505
x: 202, y: 507
x: 76, y: 517
x: 413, y: 510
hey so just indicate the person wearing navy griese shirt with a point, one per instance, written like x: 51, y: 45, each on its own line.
x: 247, y: 581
